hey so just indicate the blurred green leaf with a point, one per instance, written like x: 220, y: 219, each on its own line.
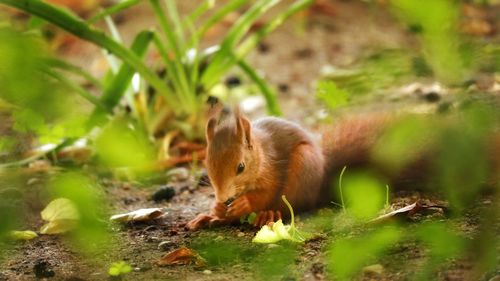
x: 364, y: 195
x: 404, y: 141
x: 440, y: 43
x: 90, y: 234
x: 276, y: 263
x: 331, y: 95
x: 119, y: 268
x: 347, y: 256
x: 23, y: 235
x: 443, y: 244
x: 61, y: 216
x: 120, y: 145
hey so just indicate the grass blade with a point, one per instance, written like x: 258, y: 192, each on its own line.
x: 270, y: 96
x: 56, y: 63
x: 75, y: 87
x: 256, y: 37
x: 174, y: 16
x: 123, y: 5
x: 172, y: 44
x: 219, y: 63
x: 218, y: 15
x: 114, y: 90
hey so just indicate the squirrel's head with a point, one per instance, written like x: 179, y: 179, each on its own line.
x: 232, y: 158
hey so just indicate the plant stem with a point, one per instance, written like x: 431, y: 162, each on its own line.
x: 270, y: 96
x: 340, y: 188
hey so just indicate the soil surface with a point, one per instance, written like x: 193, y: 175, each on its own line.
x: 291, y: 59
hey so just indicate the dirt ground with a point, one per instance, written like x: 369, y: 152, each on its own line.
x: 357, y: 30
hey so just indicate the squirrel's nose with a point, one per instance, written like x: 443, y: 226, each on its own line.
x: 229, y: 201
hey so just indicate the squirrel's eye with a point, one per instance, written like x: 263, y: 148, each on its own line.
x: 241, y: 168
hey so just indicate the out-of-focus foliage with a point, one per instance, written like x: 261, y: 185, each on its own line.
x: 330, y: 94
x: 121, y: 145
x: 23, y: 235
x: 364, y: 195
x: 347, y: 256
x: 61, y: 216
x: 437, y: 22
x: 373, y: 74
x: 90, y: 232
x: 443, y: 244
x: 220, y: 251
x: 119, y: 268
x: 38, y: 104
x: 405, y: 141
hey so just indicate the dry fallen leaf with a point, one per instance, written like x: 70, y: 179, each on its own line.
x: 410, y: 209
x: 181, y: 256
x: 61, y: 216
x: 139, y: 215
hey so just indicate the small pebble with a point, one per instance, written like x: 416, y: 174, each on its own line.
x: 178, y: 174
x: 263, y: 48
x: 165, y: 192
x: 374, y: 269
x: 241, y: 234
x: 165, y: 245
x: 207, y: 272
x: 232, y: 81
x: 432, y: 96
x: 283, y: 87
x: 304, y: 53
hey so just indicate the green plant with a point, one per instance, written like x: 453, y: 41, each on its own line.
x: 190, y: 71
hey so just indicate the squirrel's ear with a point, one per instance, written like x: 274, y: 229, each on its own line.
x: 243, y: 127
x: 210, y: 128
x: 247, y: 129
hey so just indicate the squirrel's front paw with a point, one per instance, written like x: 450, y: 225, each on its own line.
x: 239, y: 207
x: 266, y: 217
x: 203, y: 220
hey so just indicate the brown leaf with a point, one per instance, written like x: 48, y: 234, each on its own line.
x: 181, y: 256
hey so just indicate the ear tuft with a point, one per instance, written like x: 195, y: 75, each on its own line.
x: 210, y: 129
x: 243, y: 127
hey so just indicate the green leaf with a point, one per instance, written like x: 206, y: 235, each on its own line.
x: 23, y: 235
x: 119, y: 268
x: 122, y: 5
x: 331, y: 95
x: 115, y: 89
x: 280, y: 231
x: 61, y: 215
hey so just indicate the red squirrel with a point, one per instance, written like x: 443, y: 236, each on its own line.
x: 251, y: 165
